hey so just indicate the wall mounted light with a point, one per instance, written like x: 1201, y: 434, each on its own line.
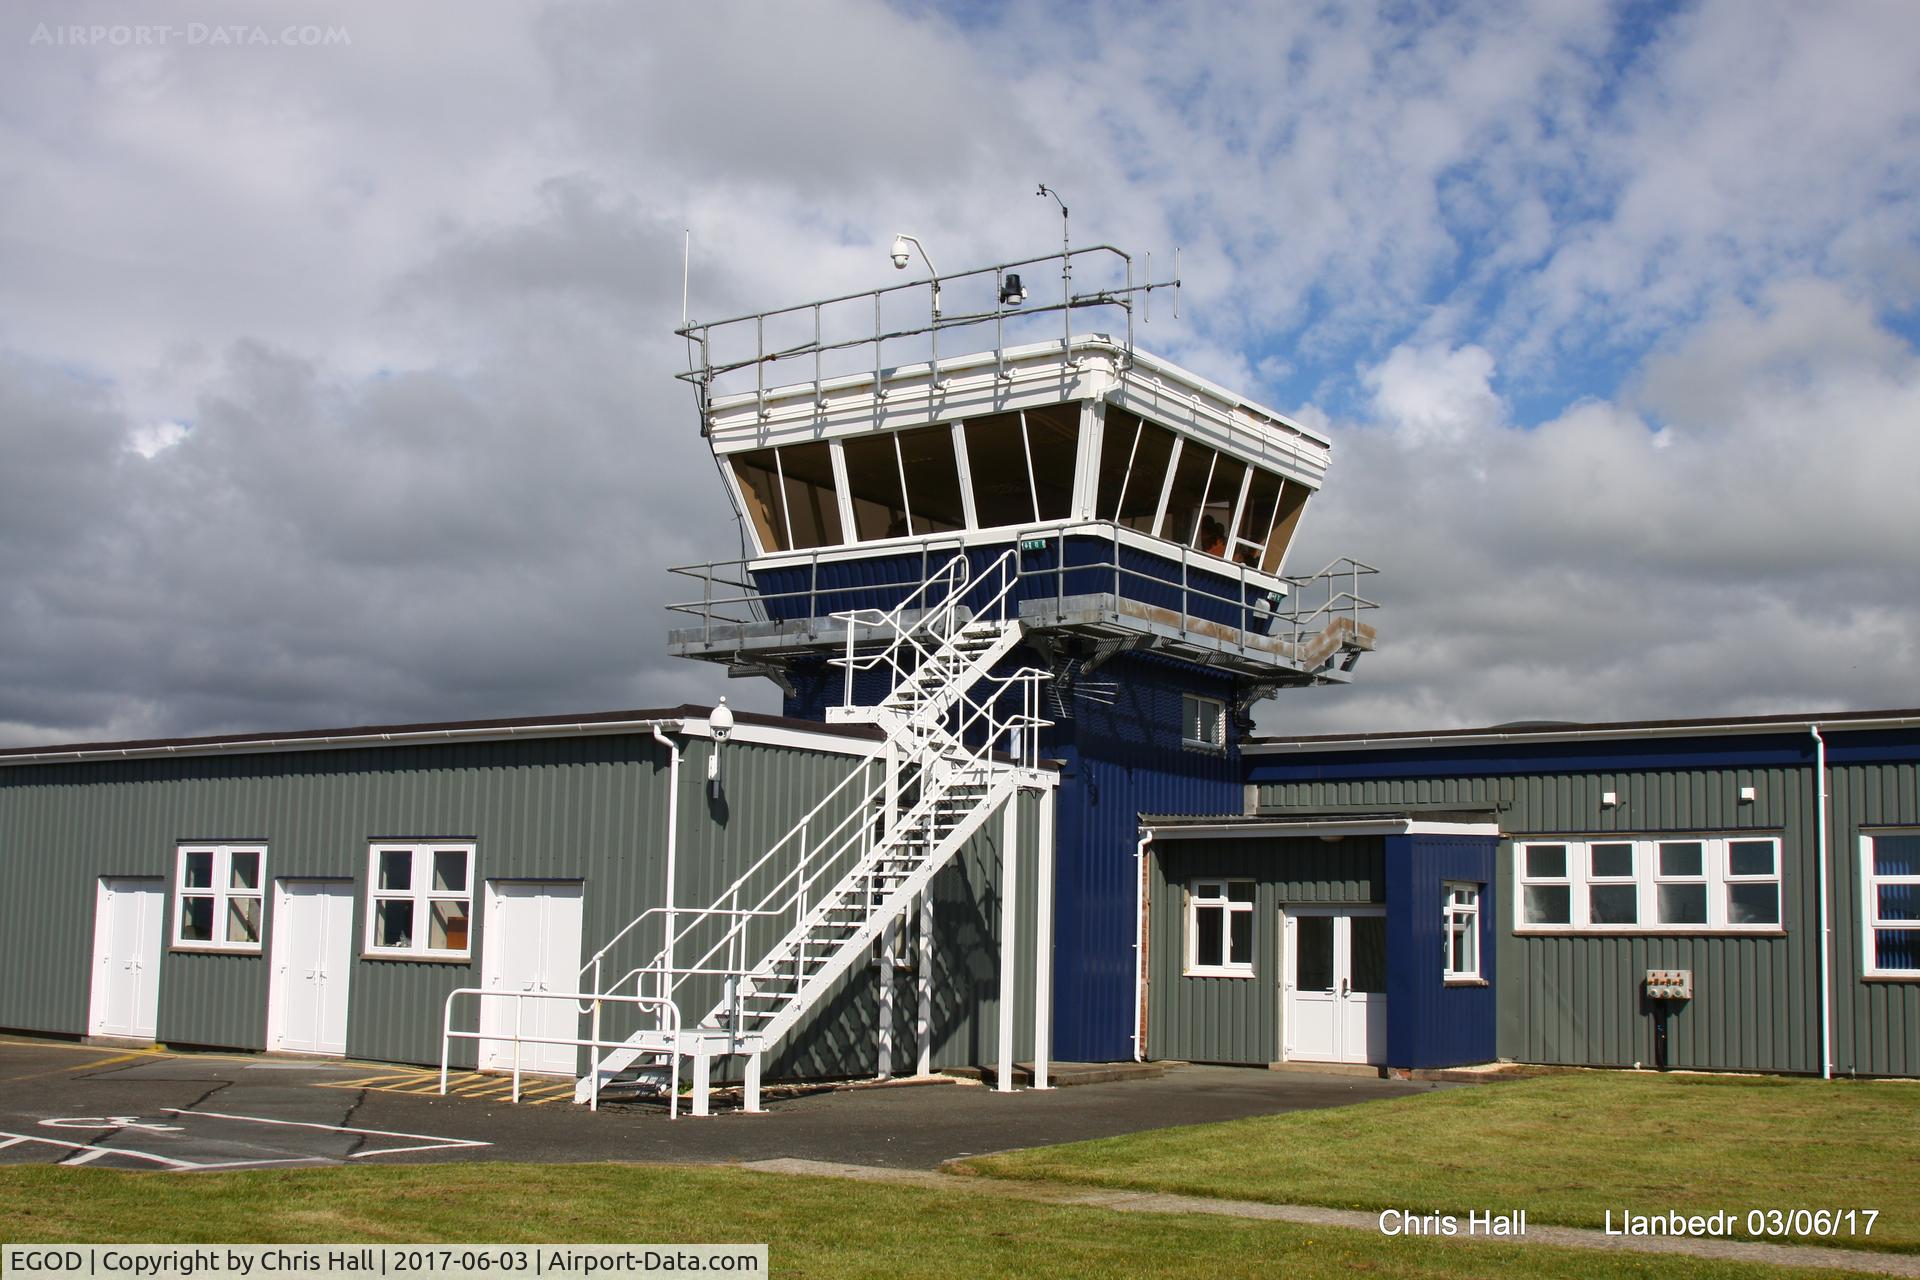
x: 720, y: 724
x: 1609, y: 799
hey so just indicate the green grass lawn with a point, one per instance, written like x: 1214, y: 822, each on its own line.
x: 814, y: 1227
x: 1564, y: 1147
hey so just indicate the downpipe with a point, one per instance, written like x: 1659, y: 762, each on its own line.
x: 673, y: 836
x: 1826, y: 914
x: 1139, y: 941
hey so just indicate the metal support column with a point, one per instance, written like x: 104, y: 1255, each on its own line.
x: 1009, y: 953
x: 750, y: 1099
x: 1043, y: 943
x: 923, y: 979
x: 889, y: 946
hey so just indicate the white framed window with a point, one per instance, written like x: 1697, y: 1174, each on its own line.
x: 1203, y: 722
x: 1661, y: 884
x: 419, y: 899
x: 1461, y: 911
x: 217, y: 896
x: 1220, y: 928
x: 1546, y: 885
x: 1890, y: 881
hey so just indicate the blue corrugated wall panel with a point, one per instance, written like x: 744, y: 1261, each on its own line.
x: 1431, y: 1022
x: 1120, y: 761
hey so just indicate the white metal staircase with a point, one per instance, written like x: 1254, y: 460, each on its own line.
x: 959, y: 744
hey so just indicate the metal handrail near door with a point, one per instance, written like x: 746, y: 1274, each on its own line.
x: 669, y: 1015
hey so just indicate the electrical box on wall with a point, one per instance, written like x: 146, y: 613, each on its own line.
x: 1669, y: 984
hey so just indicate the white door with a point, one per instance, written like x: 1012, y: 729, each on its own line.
x: 312, y: 964
x: 532, y: 944
x: 1334, y: 995
x: 128, y: 920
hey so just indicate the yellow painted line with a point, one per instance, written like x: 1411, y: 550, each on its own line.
x: 85, y: 1066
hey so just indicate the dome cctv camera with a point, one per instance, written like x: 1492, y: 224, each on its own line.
x: 902, y: 252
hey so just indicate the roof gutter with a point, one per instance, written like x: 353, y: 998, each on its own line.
x: 1303, y: 747
x: 342, y: 741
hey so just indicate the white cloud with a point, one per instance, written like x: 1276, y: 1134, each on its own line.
x: 1597, y: 314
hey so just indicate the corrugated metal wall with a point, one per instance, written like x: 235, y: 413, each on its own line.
x: 1430, y: 1021
x: 1199, y: 1019
x: 1120, y: 761
x: 1877, y: 1023
x: 1578, y: 999
x: 589, y: 808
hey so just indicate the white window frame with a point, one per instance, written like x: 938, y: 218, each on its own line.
x: 1190, y: 701
x: 1215, y: 893
x: 421, y: 893
x: 1454, y: 915
x: 1870, y: 883
x: 222, y: 893
x: 1715, y: 874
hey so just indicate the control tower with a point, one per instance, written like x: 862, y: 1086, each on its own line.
x: 1085, y: 511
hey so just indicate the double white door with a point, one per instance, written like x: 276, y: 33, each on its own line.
x: 128, y: 918
x: 312, y: 964
x: 532, y: 951
x: 1335, y: 990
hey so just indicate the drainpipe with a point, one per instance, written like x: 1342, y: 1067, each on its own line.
x: 1826, y: 915
x: 1139, y: 940
x: 673, y: 834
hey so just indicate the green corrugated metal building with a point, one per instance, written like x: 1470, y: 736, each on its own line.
x: 156, y: 885
x: 1700, y: 846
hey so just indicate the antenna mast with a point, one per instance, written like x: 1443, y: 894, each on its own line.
x: 1066, y: 276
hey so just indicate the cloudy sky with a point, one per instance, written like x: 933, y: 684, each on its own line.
x: 336, y: 366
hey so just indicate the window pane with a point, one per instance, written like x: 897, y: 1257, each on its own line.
x: 1899, y: 902
x: 1896, y: 949
x: 449, y: 932
x: 1257, y: 519
x: 1549, y: 904
x: 450, y: 870
x: 1613, y: 904
x: 813, y: 507
x: 1683, y: 904
x: 1240, y: 890
x: 1207, y: 935
x: 196, y: 919
x: 396, y: 868
x: 1753, y: 903
x: 1313, y: 958
x: 1240, y: 927
x: 873, y: 482
x: 1896, y: 855
x: 1223, y: 495
x: 1293, y: 500
x: 1116, y: 455
x: 997, y: 462
x: 1750, y: 858
x: 760, y: 487
x: 393, y: 924
x: 1367, y: 953
x: 199, y: 869
x: 1210, y: 890
x: 1683, y: 858
x: 933, y: 479
x: 243, y: 920
x: 1468, y: 951
x: 244, y: 871
x: 1182, y: 522
x: 1053, y: 438
x: 1139, y: 500
x: 1546, y: 862
x: 1614, y: 860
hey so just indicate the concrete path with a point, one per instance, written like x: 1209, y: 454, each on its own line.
x: 1311, y: 1215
